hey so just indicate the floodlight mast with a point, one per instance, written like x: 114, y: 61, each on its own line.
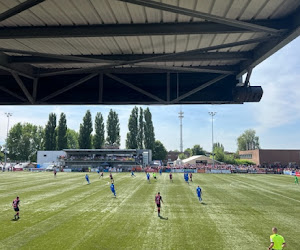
x: 181, y: 139
x: 5, y: 150
x: 212, y: 114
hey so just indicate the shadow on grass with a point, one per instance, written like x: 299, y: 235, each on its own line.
x: 14, y: 219
x: 163, y: 218
x: 203, y: 203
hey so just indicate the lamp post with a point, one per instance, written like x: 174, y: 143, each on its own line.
x: 212, y: 114
x: 5, y: 150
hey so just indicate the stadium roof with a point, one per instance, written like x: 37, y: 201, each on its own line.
x: 99, y: 150
x: 138, y: 51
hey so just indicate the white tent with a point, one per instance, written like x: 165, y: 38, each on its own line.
x: 198, y: 159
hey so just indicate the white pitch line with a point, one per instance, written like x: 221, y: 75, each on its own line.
x: 104, y: 218
x: 269, y: 191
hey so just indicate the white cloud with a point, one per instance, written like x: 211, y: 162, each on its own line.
x: 279, y: 77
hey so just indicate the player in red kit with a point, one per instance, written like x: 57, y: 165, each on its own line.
x: 171, y: 177
x: 15, y: 205
x: 111, y: 178
x: 158, y: 199
x: 191, y: 177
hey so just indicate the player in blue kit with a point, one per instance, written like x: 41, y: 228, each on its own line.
x: 199, y: 193
x: 148, y: 177
x: 112, y: 188
x: 87, y: 178
x: 132, y: 174
x: 186, y: 178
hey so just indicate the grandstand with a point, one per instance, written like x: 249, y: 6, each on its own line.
x: 80, y: 159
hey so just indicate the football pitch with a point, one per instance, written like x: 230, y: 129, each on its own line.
x: 237, y: 212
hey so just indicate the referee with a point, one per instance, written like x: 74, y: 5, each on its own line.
x: 277, y: 241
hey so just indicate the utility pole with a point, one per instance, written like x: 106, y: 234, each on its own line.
x: 180, y: 118
x: 212, y: 135
x: 5, y: 150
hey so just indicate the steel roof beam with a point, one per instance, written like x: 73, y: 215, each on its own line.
x: 130, y: 85
x: 208, y: 56
x: 203, y: 86
x: 25, y: 71
x: 70, y: 86
x: 190, y: 52
x: 202, y: 15
x: 149, y: 29
x: 53, y: 56
x: 23, y: 87
x: 143, y: 70
x: 19, y: 8
x: 34, y: 91
x: 268, y: 48
x: 186, y: 69
x: 12, y: 93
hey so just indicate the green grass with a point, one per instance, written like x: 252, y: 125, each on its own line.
x: 238, y: 212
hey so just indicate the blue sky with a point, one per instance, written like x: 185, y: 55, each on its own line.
x: 276, y: 118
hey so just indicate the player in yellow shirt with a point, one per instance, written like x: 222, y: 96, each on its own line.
x: 277, y: 241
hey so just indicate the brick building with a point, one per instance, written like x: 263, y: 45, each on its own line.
x: 272, y: 156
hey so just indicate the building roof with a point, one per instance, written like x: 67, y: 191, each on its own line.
x: 100, y: 150
x: 197, y: 157
x: 157, y: 52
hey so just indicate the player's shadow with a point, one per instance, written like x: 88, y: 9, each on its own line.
x: 14, y: 219
x: 163, y: 218
x: 203, y: 203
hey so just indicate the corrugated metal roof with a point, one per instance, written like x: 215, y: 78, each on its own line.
x: 88, y: 12
x: 97, y: 12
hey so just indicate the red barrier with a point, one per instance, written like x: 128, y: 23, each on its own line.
x: 297, y: 173
x: 18, y: 169
x: 151, y: 170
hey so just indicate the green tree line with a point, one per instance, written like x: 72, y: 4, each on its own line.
x: 246, y: 141
x: 141, y: 133
x: 25, y: 139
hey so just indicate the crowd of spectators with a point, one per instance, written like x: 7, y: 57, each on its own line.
x: 249, y: 168
x: 101, y: 158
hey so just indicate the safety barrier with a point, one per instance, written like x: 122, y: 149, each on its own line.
x: 218, y: 171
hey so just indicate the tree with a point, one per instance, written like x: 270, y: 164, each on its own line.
x: 219, y: 153
x: 140, y: 137
x: 159, y: 152
x: 198, y: 150
x: 182, y: 156
x: 149, y: 136
x: 72, y: 139
x: 62, y: 141
x: 85, y: 132
x: 188, y: 152
x: 248, y: 140
x: 1, y: 156
x: 50, y: 133
x: 218, y: 145
x: 113, y: 128
x: 132, y: 135
x: 23, y: 141
x: 98, y: 139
